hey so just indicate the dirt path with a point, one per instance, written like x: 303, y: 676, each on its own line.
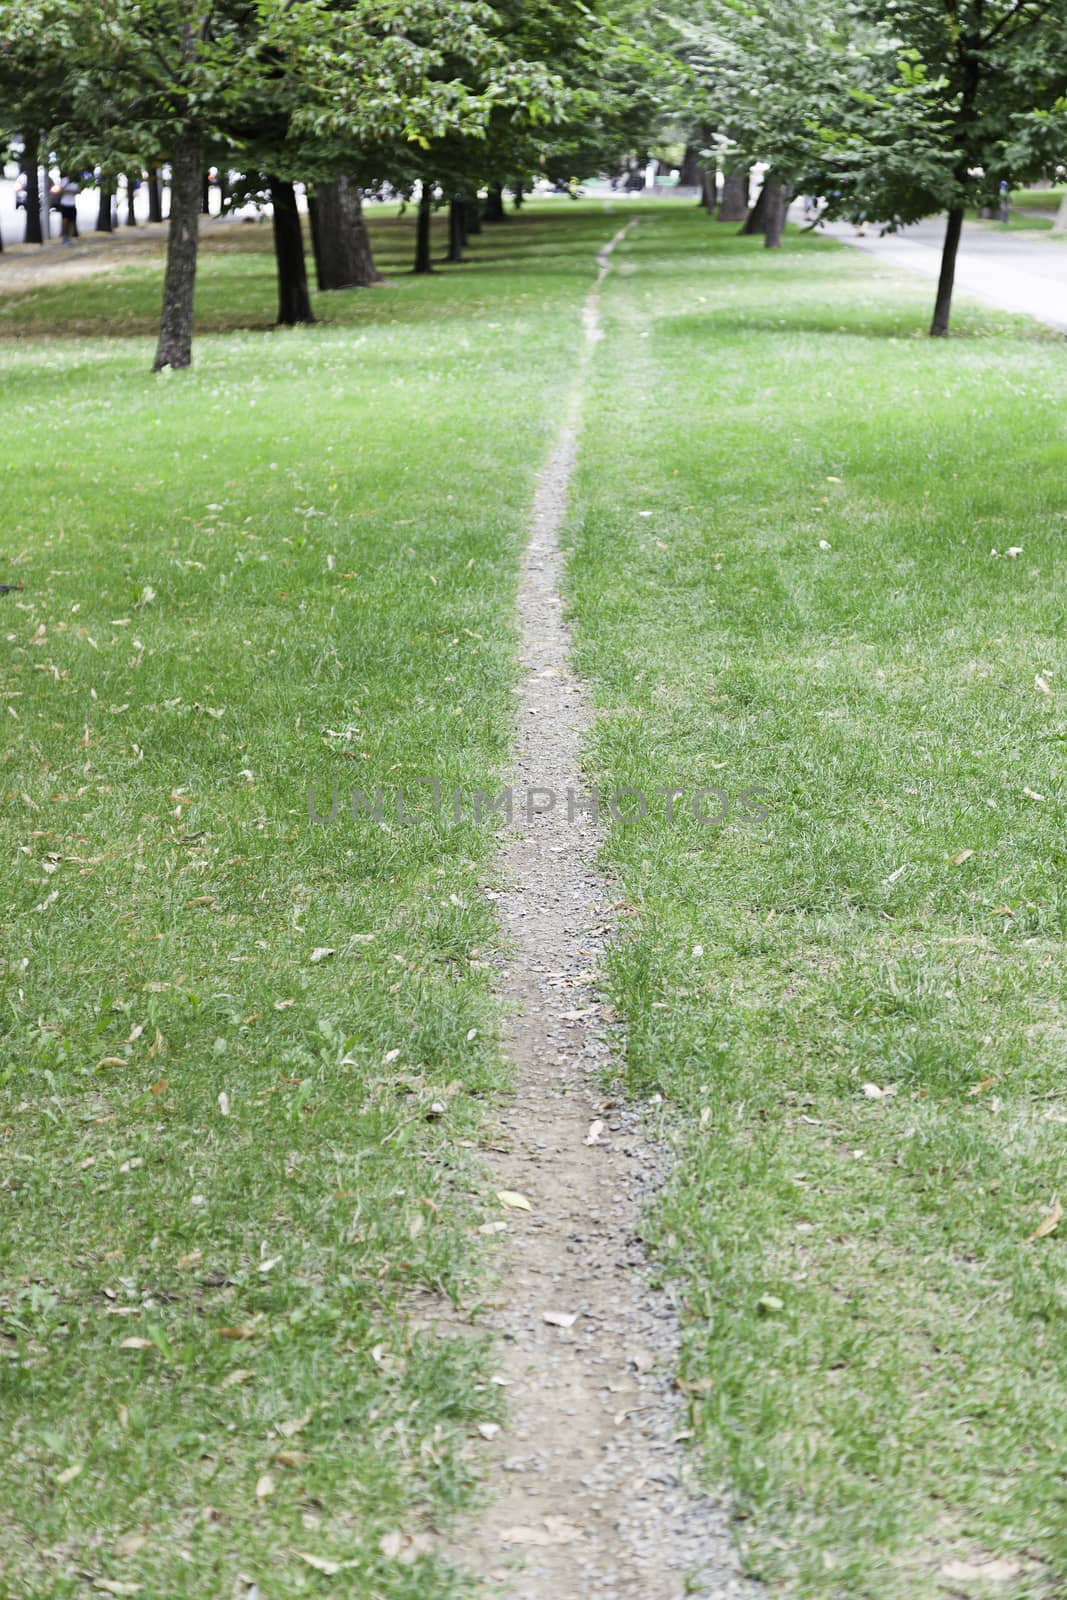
x: 588, y: 1475
x: 32, y: 266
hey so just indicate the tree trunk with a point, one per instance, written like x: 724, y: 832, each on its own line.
x: 1060, y: 224
x: 131, y: 191
x: 778, y: 198
x: 155, y: 196
x: 455, y: 230
x: 733, y: 207
x: 494, y: 205
x: 756, y: 221
x: 343, y: 256
x: 943, y: 303
x: 516, y: 196
x: 294, y: 301
x: 179, y: 282
x: 205, y: 193
x: 34, y: 231
x: 103, y: 210
x: 316, y: 235
x: 690, y: 173
x: 474, y: 214
x: 708, y: 190
x: 422, y: 228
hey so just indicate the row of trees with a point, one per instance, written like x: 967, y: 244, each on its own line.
x: 437, y: 98
x: 891, y: 111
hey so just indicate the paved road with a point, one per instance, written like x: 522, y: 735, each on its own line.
x: 1025, y: 272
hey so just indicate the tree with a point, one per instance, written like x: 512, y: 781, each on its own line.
x: 894, y: 111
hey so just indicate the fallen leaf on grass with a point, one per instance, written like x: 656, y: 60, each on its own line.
x: 264, y: 1486
x: 69, y: 1474
x: 322, y: 1565
x: 513, y: 1200
x: 129, y: 1544
x: 112, y: 1586
x: 289, y: 1430
x: 1041, y: 683
x: 291, y: 1458
x: 1048, y: 1223
x: 238, y: 1375
x: 235, y: 1333
x: 283, y: 1005
x: 560, y: 1319
x: 961, y: 856
x: 135, y: 1343
x: 322, y: 952
x: 224, y: 1103
x: 1032, y: 794
x: 192, y: 1258
x: 997, y: 1571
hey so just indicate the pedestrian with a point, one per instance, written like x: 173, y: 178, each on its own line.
x: 66, y: 193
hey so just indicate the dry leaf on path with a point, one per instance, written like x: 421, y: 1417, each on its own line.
x: 560, y: 1319
x: 596, y: 1128
x: 555, y: 1530
x: 513, y: 1200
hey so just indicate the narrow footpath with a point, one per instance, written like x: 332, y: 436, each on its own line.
x: 588, y: 1477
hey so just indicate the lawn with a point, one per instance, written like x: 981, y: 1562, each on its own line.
x: 783, y: 574
x: 1039, y: 199
x: 240, y: 1174
x: 237, y: 1176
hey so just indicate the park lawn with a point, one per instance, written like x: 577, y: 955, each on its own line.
x: 853, y: 1007
x: 1018, y: 222
x: 238, y: 1190
x: 1039, y: 199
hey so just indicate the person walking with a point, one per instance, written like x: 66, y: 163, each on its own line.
x: 66, y: 191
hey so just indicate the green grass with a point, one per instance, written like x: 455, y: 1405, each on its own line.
x: 1039, y: 199
x: 292, y: 567
x: 1018, y: 222
x: 874, y: 1351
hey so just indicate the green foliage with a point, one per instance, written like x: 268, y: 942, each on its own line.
x: 896, y: 111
